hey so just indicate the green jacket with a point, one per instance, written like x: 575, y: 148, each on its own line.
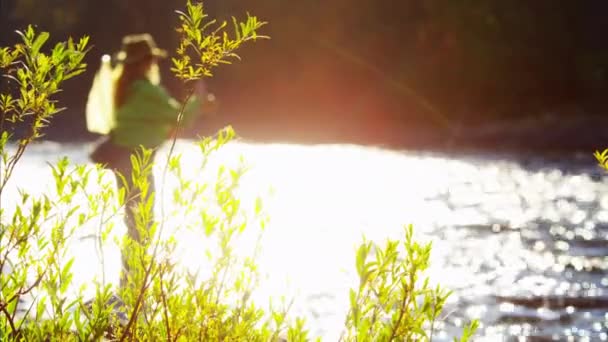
x: 148, y: 116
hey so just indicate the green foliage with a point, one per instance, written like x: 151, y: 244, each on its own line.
x: 160, y: 299
x: 34, y: 253
x: 390, y: 302
x: 37, y: 76
x: 602, y: 158
x: 205, y: 44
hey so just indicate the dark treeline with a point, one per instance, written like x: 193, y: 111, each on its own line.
x: 363, y: 69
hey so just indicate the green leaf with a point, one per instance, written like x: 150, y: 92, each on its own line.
x: 258, y: 205
x: 353, y: 298
x: 360, y: 259
x: 39, y: 42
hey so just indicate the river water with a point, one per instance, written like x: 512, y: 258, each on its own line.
x: 522, y: 242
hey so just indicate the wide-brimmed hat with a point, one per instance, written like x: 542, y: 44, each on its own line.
x: 136, y: 47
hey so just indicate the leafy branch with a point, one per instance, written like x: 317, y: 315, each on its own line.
x: 38, y: 77
x: 390, y: 303
x: 205, y: 44
x: 602, y: 158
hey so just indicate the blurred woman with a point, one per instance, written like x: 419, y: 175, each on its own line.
x: 129, y: 106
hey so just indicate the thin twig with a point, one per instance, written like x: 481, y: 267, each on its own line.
x: 9, y: 318
x: 165, y: 307
x: 22, y: 292
x: 434, y: 317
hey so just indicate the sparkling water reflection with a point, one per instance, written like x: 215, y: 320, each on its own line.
x: 523, y: 247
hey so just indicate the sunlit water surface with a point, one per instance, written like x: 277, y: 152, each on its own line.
x: 523, y: 247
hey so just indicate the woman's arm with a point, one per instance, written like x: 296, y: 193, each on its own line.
x: 149, y: 102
